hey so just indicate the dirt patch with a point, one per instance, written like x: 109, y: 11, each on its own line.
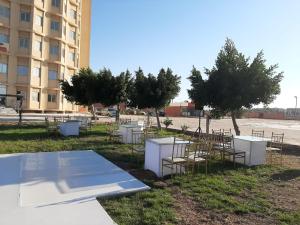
x: 191, y: 213
x: 284, y: 195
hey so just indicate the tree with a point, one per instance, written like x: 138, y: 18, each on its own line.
x: 235, y: 83
x: 198, y: 93
x: 82, y: 90
x: 113, y: 90
x: 154, y: 92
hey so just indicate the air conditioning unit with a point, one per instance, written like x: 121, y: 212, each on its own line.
x: 4, y: 47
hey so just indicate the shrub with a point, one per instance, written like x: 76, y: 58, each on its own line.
x: 167, y: 122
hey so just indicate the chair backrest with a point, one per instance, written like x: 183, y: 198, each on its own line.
x: 258, y: 133
x: 227, y: 132
x: 228, y: 142
x: 218, y: 131
x: 180, y: 148
x: 150, y: 134
x: 216, y: 138
x: 201, y: 149
x: 137, y: 137
x: 277, y: 140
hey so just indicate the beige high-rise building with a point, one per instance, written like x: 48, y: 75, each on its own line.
x: 42, y: 41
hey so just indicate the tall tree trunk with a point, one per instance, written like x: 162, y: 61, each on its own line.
x: 118, y: 113
x: 157, y: 119
x: 148, y: 120
x: 208, y: 118
x: 236, y: 127
x: 93, y: 111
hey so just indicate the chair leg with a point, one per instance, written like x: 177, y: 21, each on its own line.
x: 234, y: 161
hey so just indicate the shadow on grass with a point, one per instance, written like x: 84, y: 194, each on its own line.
x: 286, y: 175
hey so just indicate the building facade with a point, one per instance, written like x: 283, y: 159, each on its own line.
x: 41, y: 42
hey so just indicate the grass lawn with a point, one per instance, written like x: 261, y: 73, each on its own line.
x: 259, y: 195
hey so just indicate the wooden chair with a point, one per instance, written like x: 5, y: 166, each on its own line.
x: 179, y: 157
x: 137, y: 141
x: 113, y: 133
x: 219, y: 131
x: 258, y: 133
x: 217, y: 145
x: 85, y: 125
x: 124, y: 121
x: 229, y: 150
x: 275, y: 147
x: 227, y: 132
x: 51, y: 128
x: 201, y: 154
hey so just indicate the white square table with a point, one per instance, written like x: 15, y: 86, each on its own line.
x: 254, y: 147
x: 126, y: 132
x: 70, y: 128
x: 157, y: 149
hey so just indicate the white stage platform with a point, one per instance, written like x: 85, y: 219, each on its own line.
x: 60, y: 188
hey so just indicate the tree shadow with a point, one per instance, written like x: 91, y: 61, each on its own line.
x: 286, y: 175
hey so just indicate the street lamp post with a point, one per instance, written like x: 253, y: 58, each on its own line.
x: 296, y: 97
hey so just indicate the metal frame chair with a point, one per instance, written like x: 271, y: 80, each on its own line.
x: 113, y: 133
x: 258, y: 133
x: 201, y: 153
x: 179, y: 157
x: 229, y: 150
x: 137, y: 141
x: 218, y: 131
x: 276, y: 146
x: 227, y: 132
x: 51, y: 128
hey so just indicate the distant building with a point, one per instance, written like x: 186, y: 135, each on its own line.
x: 40, y: 43
x: 273, y: 113
x: 185, y: 109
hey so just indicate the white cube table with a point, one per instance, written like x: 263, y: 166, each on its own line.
x: 157, y: 149
x: 255, y: 148
x: 126, y: 132
x: 70, y: 128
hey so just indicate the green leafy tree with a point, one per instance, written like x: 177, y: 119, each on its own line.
x: 154, y: 92
x: 114, y: 90
x: 235, y: 83
x: 198, y: 94
x: 82, y: 90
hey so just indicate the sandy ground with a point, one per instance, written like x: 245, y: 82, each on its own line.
x: 290, y: 128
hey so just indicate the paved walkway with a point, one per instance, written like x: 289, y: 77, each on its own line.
x: 290, y: 128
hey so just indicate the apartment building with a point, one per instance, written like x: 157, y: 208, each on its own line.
x: 41, y: 42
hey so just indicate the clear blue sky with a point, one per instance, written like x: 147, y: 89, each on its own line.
x: 178, y: 34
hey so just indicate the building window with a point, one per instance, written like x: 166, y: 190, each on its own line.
x: 54, y: 25
x: 4, y: 38
x: 72, y: 56
x: 56, y: 3
x: 2, y: 89
x: 72, y: 35
x: 36, y: 72
x: 22, y: 70
x: 54, y: 49
x: 38, y: 46
x: 25, y: 16
x: 73, y: 14
x: 63, y: 52
x: 35, y: 96
x: 24, y: 42
x: 52, y: 75
x: 39, y: 20
x: 3, y: 68
x: 51, y: 97
x: 4, y: 11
